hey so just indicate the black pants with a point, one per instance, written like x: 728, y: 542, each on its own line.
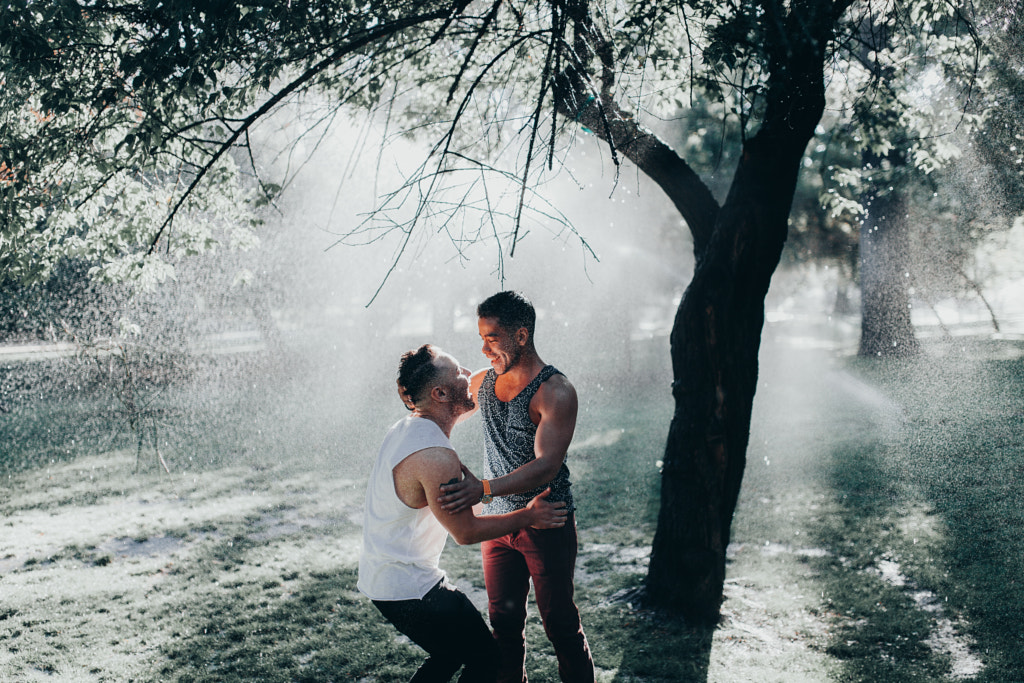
x: 447, y: 625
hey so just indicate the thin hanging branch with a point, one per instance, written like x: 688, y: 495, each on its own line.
x: 976, y: 288
x: 305, y: 78
x: 481, y: 32
x: 545, y: 80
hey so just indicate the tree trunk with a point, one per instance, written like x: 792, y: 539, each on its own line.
x: 885, y: 328
x: 717, y: 330
x: 714, y: 345
x: 715, y: 342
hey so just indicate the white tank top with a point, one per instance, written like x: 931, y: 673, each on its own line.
x: 401, y: 545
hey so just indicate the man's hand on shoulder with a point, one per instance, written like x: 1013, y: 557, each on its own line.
x: 461, y: 495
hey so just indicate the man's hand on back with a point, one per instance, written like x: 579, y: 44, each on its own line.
x: 549, y: 515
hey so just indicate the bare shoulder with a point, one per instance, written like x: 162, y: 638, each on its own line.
x: 556, y: 394
x: 424, y: 471
x: 558, y: 387
x: 434, y: 462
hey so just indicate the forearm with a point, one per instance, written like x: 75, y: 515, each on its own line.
x: 525, y: 478
x: 492, y: 526
x: 461, y: 496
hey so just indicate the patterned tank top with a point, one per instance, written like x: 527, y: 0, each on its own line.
x: 509, y: 436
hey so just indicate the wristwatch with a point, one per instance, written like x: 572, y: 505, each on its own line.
x: 487, y: 497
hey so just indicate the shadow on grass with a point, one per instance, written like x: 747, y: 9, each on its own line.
x: 320, y: 630
x: 965, y: 448
x: 652, y: 647
x: 614, y: 466
x: 924, y: 574
x: 879, y: 633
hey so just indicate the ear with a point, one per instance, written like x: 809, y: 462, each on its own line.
x: 522, y: 336
x: 439, y: 394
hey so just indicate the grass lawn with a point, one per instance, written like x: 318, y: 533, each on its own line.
x: 878, y: 535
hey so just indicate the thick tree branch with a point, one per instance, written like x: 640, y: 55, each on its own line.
x: 690, y: 195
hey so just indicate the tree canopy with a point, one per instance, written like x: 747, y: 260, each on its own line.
x: 127, y: 125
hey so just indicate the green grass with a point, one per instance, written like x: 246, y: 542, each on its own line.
x: 960, y: 459
x: 908, y: 495
x: 878, y: 535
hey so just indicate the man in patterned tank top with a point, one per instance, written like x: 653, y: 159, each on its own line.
x: 405, y: 529
x: 529, y: 416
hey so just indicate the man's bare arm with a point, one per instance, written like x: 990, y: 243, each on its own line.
x: 554, y: 407
x: 433, y: 467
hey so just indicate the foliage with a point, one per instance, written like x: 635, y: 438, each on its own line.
x: 127, y: 126
x: 30, y: 312
x: 107, y: 115
x: 910, y: 132
x: 916, y: 68
x: 999, y: 140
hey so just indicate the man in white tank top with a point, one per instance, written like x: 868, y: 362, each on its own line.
x: 405, y: 529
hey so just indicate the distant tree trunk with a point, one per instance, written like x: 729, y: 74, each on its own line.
x: 885, y: 329
x: 842, y: 304
x: 717, y: 330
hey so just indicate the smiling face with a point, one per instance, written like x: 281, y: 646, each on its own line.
x: 503, y: 348
x: 456, y: 381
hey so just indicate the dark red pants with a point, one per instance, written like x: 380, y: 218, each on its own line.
x: 548, y: 557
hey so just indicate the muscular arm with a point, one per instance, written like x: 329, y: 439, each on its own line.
x: 422, y: 473
x: 554, y: 411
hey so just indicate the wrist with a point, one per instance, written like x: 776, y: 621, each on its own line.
x: 486, y: 497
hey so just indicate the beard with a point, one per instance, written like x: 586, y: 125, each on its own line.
x: 464, y: 402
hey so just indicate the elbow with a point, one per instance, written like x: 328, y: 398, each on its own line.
x: 549, y: 473
x: 464, y: 538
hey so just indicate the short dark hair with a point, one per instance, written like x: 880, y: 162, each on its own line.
x: 416, y: 373
x: 512, y: 309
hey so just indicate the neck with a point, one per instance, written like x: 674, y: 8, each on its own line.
x: 527, y: 367
x: 439, y: 417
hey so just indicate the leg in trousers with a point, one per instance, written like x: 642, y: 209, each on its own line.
x: 447, y: 625
x: 551, y: 557
x: 508, y: 585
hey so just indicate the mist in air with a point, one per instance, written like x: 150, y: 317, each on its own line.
x: 217, y: 431
x: 291, y: 348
